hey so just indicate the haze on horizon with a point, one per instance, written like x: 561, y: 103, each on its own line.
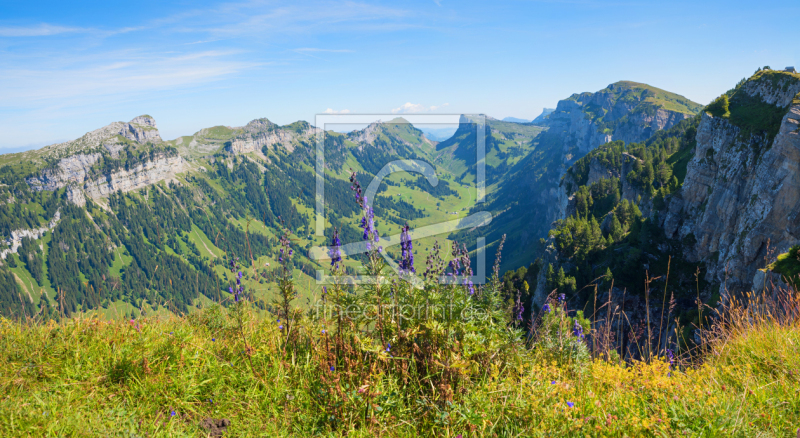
x: 66, y: 70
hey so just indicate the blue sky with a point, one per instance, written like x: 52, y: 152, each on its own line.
x: 67, y: 69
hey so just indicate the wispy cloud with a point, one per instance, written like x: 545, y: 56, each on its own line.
x: 333, y: 111
x: 413, y: 108
x: 43, y: 29
x: 314, y: 49
x: 130, y: 74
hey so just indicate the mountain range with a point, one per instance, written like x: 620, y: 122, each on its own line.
x: 615, y: 183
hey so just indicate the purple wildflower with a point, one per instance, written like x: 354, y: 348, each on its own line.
x: 577, y: 330
x: 171, y: 413
x: 335, y: 251
x: 546, y: 308
x: 407, y: 257
x: 332, y: 368
x: 570, y: 404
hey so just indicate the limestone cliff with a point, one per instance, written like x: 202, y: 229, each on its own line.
x: 162, y: 167
x: 77, y: 166
x: 141, y: 129
x: 742, y: 189
x: 627, y: 111
x: 261, y: 132
x: 15, y: 240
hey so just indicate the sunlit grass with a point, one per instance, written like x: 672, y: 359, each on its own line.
x: 98, y: 377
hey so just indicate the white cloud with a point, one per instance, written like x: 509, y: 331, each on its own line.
x: 411, y: 108
x: 39, y: 30
x: 314, y: 49
x: 333, y: 111
x: 130, y: 73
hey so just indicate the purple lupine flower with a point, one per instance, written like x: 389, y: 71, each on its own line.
x: 335, y: 251
x: 546, y: 308
x: 671, y: 357
x: 561, y: 298
x: 407, y: 258
x: 470, y: 287
x: 577, y: 330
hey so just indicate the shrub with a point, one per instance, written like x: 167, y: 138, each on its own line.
x: 719, y: 107
x: 561, y: 339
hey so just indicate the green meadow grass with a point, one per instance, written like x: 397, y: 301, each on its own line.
x: 164, y: 375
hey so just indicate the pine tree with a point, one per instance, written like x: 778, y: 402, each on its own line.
x: 616, y: 229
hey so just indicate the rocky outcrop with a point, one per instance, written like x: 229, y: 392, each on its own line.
x: 261, y: 132
x: 69, y: 170
x: 141, y: 129
x: 641, y: 125
x: 15, y: 241
x: 580, y: 134
x: 620, y: 111
x: 162, y: 167
x: 75, y: 170
x: 741, y: 196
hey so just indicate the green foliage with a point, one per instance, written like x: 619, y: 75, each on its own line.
x: 720, y: 107
x: 556, y: 339
x: 788, y: 265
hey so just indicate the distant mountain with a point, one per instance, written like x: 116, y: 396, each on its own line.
x: 515, y: 120
x: 438, y: 134
x: 526, y: 200
x: 541, y: 117
x: 124, y: 222
x: 716, y: 194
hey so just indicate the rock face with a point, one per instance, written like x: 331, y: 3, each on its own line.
x: 741, y: 194
x: 368, y: 134
x: 261, y: 132
x: 15, y: 241
x: 580, y: 134
x: 141, y: 129
x: 625, y: 111
x: 70, y: 170
x: 75, y: 170
x: 641, y: 125
x: 162, y: 167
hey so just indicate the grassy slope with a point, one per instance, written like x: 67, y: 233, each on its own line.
x: 629, y: 90
x: 113, y: 378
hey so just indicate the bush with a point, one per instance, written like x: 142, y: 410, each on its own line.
x: 719, y: 107
x: 561, y: 339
